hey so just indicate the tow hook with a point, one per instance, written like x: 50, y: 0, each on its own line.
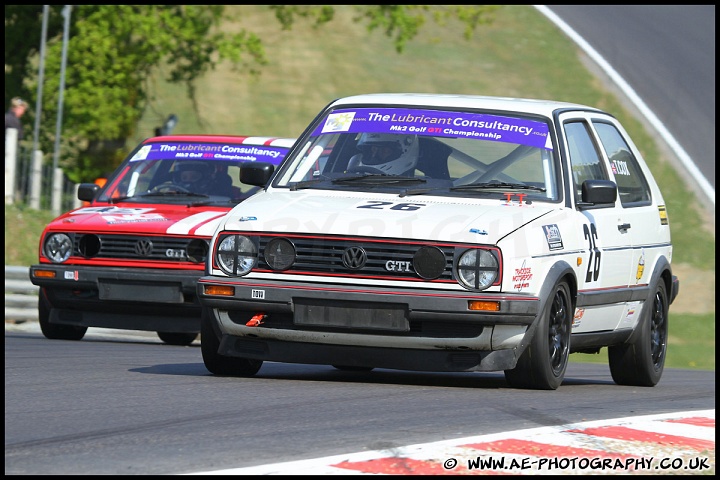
x: 256, y: 320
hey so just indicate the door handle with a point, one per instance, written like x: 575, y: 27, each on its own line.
x: 623, y: 226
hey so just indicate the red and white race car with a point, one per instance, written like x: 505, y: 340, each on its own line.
x: 131, y: 257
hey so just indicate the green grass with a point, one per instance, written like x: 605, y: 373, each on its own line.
x: 23, y: 227
x: 691, y: 344
x: 520, y: 55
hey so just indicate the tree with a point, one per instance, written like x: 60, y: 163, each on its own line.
x: 114, y: 49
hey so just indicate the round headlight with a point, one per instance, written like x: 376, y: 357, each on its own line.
x: 58, y: 247
x: 477, y: 269
x: 236, y: 255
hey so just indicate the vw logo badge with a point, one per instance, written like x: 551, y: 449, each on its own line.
x: 143, y: 248
x: 354, y: 258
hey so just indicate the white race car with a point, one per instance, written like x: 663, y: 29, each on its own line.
x: 446, y: 233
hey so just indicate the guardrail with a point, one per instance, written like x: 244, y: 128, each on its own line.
x: 21, y: 296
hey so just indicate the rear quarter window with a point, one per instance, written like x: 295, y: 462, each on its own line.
x: 632, y: 185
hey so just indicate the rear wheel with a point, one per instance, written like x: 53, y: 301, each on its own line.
x: 641, y: 362
x: 221, y: 364
x: 52, y: 330
x: 543, y: 363
x: 175, y: 338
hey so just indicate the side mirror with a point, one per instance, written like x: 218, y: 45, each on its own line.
x: 596, y: 192
x: 86, y: 191
x: 256, y: 173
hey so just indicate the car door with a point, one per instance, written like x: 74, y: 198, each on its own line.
x: 607, y: 254
x: 644, y: 220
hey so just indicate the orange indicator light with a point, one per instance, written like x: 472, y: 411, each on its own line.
x: 484, y: 306
x: 219, y: 290
x: 44, y: 274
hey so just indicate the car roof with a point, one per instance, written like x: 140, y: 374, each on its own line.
x: 522, y: 105
x: 245, y: 140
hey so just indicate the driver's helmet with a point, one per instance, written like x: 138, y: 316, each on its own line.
x: 392, y: 154
x: 191, y: 175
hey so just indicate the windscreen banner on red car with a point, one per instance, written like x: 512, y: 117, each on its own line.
x: 214, y: 151
x: 437, y: 123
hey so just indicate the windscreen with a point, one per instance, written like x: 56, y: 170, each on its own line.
x: 445, y: 149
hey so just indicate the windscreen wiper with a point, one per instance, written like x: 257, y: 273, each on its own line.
x: 172, y: 193
x: 491, y: 185
x: 378, y: 178
x: 420, y: 191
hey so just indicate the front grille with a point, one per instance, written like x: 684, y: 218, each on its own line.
x: 135, y: 247
x: 324, y: 255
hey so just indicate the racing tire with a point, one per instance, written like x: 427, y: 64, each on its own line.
x: 54, y: 331
x: 176, y: 338
x: 543, y: 364
x: 221, y: 364
x: 641, y: 362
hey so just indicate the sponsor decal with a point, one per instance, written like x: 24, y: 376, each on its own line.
x: 211, y: 151
x: 113, y: 210
x: 579, y: 312
x: 522, y: 276
x: 663, y: 215
x: 141, y: 154
x: 71, y: 275
x: 520, y: 199
x: 338, y: 122
x: 137, y: 218
x: 632, y: 312
x: 439, y: 124
x: 552, y: 235
x: 640, y: 266
x: 114, y: 215
x: 619, y: 167
x: 478, y: 231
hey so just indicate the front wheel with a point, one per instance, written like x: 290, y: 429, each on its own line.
x: 220, y: 364
x: 54, y: 331
x: 543, y: 363
x: 641, y: 362
x: 175, y: 338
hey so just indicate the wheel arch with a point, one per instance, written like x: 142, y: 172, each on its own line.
x: 558, y: 272
x: 662, y: 272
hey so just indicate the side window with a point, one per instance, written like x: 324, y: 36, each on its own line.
x: 585, y: 159
x: 632, y: 186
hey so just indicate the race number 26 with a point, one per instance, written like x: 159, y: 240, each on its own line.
x: 593, y: 269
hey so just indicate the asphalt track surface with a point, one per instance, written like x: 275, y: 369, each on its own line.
x: 120, y: 402
x: 679, y: 443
